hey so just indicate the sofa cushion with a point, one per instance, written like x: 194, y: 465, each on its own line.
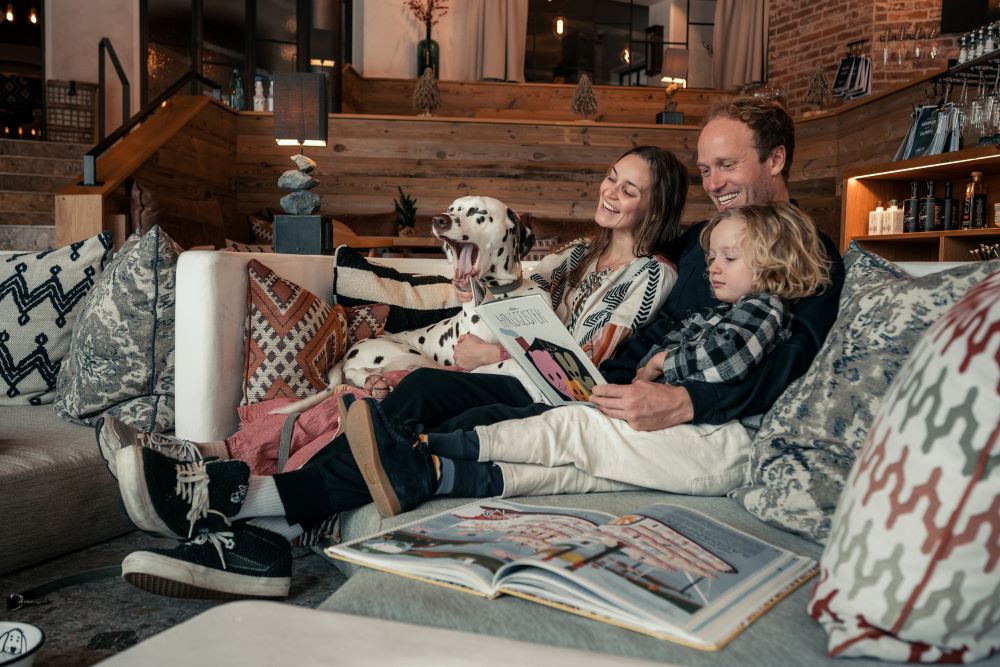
x: 865, y: 270
x: 262, y: 227
x: 922, y: 504
x: 365, y: 322
x: 56, y: 495
x: 415, y: 301
x: 189, y: 222
x: 800, y: 458
x: 41, y: 295
x: 292, y: 338
x: 121, y: 357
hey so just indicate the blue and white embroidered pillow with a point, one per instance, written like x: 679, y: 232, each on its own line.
x: 809, y: 439
x: 121, y: 358
x: 40, y: 299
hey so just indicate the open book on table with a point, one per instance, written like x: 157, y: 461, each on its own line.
x: 665, y: 571
x: 539, y: 342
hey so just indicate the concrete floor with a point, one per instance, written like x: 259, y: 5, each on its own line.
x: 87, y: 623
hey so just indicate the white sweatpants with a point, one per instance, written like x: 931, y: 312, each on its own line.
x: 578, y: 449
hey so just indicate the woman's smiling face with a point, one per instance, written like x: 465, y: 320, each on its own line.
x: 625, y: 194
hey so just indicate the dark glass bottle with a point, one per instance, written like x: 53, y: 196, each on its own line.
x: 911, y: 210
x: 930, y: 211
x: 949, y: 209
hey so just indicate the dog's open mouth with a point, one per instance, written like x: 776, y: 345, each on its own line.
x: 466, y: 256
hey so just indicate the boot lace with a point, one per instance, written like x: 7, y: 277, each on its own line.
x: 223, y: 539
x: 192, y: 486
x: 175, y: 448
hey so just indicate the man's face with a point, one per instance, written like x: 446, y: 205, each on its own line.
x: 731, y: 172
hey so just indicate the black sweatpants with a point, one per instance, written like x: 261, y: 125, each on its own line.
x: 443, y: 401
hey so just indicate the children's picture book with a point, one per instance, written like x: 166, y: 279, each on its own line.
x: 666, y: 571
x: 539, y: 342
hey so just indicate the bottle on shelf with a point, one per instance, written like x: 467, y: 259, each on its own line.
x: 892, y: 222
x: 930, y: 211
x: 963, y: 51
x: 974, y: 206
x: 237, y: 98
x: 270, y: 95
x: 949, y: 209
x: 911, y: 210
x: 875, y: 220
x: 981, y: 43
x: 258, y: 94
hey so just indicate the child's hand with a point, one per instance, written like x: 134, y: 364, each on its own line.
x: 653, y: 368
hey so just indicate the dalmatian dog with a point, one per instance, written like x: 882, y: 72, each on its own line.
x: 484, y: 240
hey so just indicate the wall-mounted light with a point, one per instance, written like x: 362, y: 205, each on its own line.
x: 10, y: 12
x: 559, y: 26
x: 33, y: 15
x: 625, y: 56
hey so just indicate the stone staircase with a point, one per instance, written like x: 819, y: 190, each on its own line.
x: 31, y: 173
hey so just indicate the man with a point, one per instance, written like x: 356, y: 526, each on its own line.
x: 744, y: 156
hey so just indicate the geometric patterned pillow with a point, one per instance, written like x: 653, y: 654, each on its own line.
x: 237, y: 246
x: 40, y: 298
x: 414, y: 301
x: 541, y: 249
x: 121, y: 356
x: 261, y: 228
x: 912, y: 568
x: 808, y: 441
x: 365, y: 322
x: 291, y: 339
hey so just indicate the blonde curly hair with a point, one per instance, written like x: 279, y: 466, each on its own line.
x: 782, y: 248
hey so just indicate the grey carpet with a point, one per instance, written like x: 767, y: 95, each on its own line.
x: 87, y: 623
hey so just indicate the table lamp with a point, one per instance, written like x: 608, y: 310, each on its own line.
x: 300, y: 120
x: 674, y: 74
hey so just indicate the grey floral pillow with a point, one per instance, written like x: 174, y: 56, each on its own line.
x: 803, y: 453
x: 865, y: 270
x: 121, y: 356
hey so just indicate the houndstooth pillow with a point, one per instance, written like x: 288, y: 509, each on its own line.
x: 912, y: 569
x: 800, y: 458
x: 121, y: 356
x: 292, y: 337
x: 40, y: 299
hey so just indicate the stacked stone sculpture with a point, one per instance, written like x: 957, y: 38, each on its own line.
x: 299, y: 201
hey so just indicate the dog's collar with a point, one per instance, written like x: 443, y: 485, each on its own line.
x: 498, y: 290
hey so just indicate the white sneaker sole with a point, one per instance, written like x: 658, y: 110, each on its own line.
x: 135, y: 494
x: 170, y: 577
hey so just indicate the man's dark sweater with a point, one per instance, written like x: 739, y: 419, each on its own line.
x: 715, y: 403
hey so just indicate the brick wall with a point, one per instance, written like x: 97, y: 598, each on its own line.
x: 805, y: 35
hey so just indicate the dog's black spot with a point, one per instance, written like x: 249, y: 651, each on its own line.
x: 413, y: 352
x: 506, y: 233
x: 500, y: 365
x: 492, y: 281
x: 447, y: 362
x: 352, y: 354
x: 480, y: 220
x: 458, y: 329
x: 429, y: 328
x: 435, y: 356
x: 378, y: 360
x: 506, y: 264
x: 491, y: 218
x: 459, y: 208
x: 451, y: 208
x: 475, y: 319
x: 421, y: 340
x: 493, y: 268
x: 499, y: 251
x: 473, y: 211
x: 465, y: 237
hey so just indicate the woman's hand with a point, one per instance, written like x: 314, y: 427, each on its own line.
x: 653, y: 368
x: 471, y: 351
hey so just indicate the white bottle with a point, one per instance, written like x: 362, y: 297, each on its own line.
x: 875, y: 220
x: 258, y: 96
x: 892, y: 223
x: 270, y: 95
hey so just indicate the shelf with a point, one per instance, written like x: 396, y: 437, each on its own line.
x: 985, y: 66
x: 866, y: 186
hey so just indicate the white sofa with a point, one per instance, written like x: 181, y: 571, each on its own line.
x: 211, y: 303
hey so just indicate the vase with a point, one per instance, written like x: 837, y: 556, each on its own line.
x: 427, y: 56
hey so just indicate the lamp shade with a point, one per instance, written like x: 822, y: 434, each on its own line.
x: 675, y: 64
x: 300, y: 108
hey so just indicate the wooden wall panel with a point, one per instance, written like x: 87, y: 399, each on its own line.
x: 547, y: 169
x: 537, y: 101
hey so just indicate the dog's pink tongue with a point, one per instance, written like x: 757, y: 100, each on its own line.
x: 465, y: 260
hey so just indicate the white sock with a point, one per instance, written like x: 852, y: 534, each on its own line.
x: 262, y: 499
x: 278, y: 524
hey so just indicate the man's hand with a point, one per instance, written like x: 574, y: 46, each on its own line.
x: 653, y: 368
x: 471, y: 351
x: 646, y: 406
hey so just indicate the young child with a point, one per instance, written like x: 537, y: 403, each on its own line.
x: 758, y: 257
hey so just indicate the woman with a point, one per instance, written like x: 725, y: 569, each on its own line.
x: 597, y: 287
